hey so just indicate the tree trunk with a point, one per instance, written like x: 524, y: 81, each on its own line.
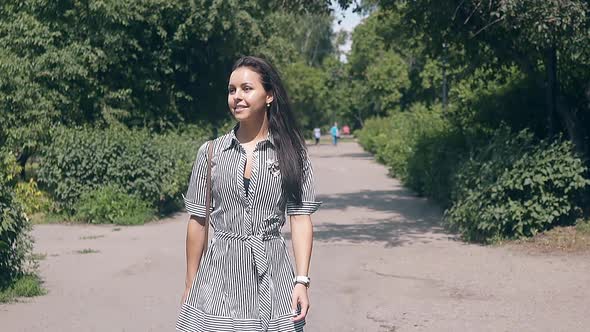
x: 359, y: 118
x: 551, y: 88
x: 557, y: 108
x: 570, y: 121
x: 304, y: 48
x: 22, y: 161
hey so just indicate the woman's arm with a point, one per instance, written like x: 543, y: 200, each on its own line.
x: 196, y: 240
x: 302, y: 238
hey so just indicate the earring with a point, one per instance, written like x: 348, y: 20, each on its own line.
x: 267, y: 105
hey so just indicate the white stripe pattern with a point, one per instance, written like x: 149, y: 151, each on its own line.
x: 245, y: 279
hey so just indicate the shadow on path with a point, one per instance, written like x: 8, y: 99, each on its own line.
x: 399, y: 202
x: 359, y: 155
x: 412, y: 219
x: 387, y: 232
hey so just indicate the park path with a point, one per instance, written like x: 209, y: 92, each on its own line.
x: 381, y: 262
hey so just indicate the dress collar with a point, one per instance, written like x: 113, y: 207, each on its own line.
x: 233, y: 140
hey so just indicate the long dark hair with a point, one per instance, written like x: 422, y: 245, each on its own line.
x: 287, y: 137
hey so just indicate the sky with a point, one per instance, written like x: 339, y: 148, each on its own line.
x: 348, y: 21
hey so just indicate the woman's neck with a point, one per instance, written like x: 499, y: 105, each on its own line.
x: 252, y: 131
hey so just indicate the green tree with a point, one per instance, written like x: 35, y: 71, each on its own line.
x: 153, y: 63
x: 37, y: 81
x: 380, y: 75
x: 547, y: 40
x: 387, y: 78
x: 307, y: 90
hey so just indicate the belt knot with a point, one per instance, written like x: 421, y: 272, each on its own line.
x: 256, y: 244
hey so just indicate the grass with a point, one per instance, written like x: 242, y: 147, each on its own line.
x: 55, y: 218
x: 567, y: 239
x: 38, y: 256
x: 26, y: 286
x: 51, y: 218
x: 583, y: 226
x: 37, y: 218
x: 91, y: 237
x: 87, y: 251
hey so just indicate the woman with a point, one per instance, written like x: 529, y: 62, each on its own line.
x: 260, y: 170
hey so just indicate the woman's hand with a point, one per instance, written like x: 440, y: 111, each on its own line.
x: 299, y: 297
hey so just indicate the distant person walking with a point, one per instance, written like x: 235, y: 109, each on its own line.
x: 317, y: 133
x: 335, y: 133
x: 346, y: 130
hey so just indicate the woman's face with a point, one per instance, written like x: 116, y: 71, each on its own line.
x: 246, y: 96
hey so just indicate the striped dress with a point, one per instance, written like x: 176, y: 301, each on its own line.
x: 245, y: 279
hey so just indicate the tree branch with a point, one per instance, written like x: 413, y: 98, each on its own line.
x: 487, y: 26
x: 457, y: 9
x: 473, y: 12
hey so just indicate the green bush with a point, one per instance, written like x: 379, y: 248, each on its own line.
x: 512, y: 185
x: 152, y: 167
x: 31, y: 198
x: 434, y: 162
x: 15, y: 241
x: 177, y: 153
x: 111, y: 204
x: 393, y: 139
x: 373, y: 134
x: 516, y: 187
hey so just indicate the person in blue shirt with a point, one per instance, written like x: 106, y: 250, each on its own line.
x: 335, y: 133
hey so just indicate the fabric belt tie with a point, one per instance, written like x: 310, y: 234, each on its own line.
x: 256, y: 243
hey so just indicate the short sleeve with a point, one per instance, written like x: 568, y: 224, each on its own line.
x: 196, y: 194
x: 308, y: 204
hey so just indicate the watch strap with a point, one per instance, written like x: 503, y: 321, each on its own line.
x: 304, y: 280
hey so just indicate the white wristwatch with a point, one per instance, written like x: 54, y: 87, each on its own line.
x: 304, y: 280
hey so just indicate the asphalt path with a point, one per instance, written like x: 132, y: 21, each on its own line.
x: 381, y: 262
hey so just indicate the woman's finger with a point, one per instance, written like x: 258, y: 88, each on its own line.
x: 294, y: 301
x: 304, y: 308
